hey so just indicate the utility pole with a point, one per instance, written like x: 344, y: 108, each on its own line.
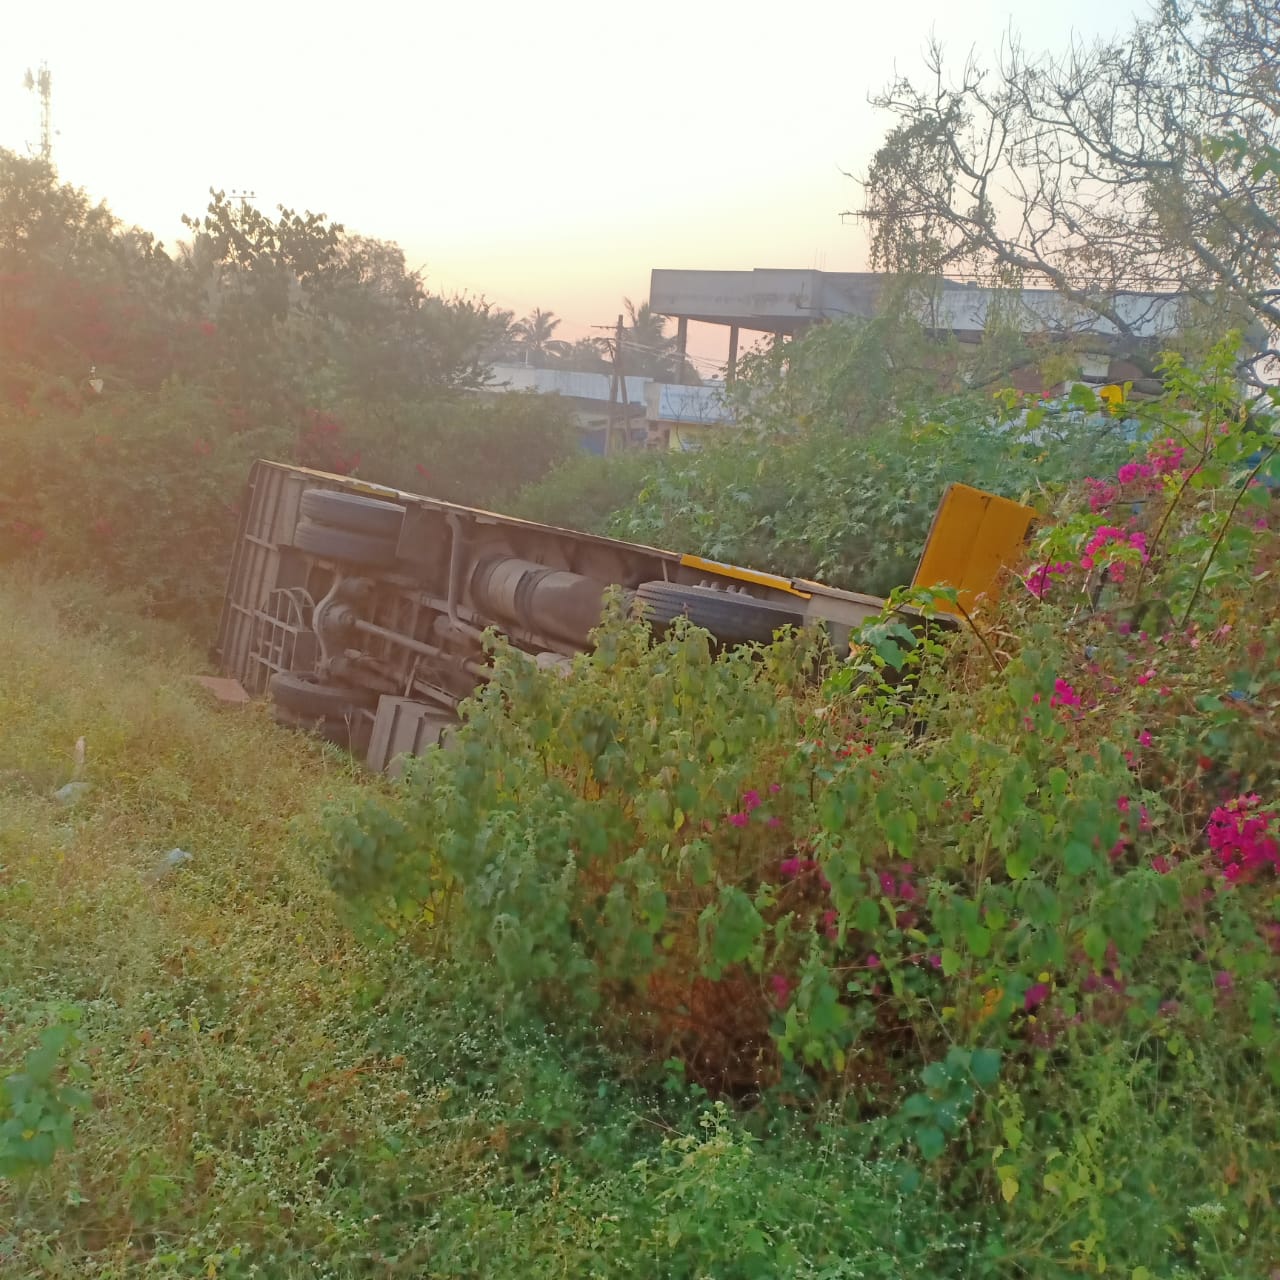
x: 41, y: 84
x: 617, y: 387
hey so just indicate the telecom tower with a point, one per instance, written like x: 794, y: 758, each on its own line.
x: 41, y: 83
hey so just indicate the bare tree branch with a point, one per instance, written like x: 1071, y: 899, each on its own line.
x: 1149, y: 164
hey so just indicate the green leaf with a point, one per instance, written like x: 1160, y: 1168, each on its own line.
x: 1095, y: 943
x: 931, y: 1141
x: 950, y: 962
x: 866, y: 915
x: 737, y: 926
x: 1018, y: 864
x: 831, y: 812
x: 917, y: 1107
x: 935, y: 1075
x: 985, y: 1066
x: 979, y: 939
x: 1077, y: 857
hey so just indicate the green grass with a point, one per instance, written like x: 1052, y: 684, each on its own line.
x: 276, y: 1095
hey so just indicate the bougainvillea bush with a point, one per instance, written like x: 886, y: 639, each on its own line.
x: 1007, y: 896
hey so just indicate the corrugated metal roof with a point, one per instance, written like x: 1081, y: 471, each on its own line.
x: 565, y: 382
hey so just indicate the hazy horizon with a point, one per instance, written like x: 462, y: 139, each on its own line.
x: 548, y: 161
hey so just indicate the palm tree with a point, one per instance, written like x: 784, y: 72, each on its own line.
x: 533, y: 337
x: 647, y: 350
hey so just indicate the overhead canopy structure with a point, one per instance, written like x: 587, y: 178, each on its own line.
x: 786, y: 302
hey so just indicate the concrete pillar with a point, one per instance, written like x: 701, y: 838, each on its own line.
x: 731, y: 369
x: 682, y: 345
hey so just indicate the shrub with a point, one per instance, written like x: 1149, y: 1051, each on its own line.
x: 143, y: 489
x: 854, y: 509
x: 584, y: 491
x: 1010, y: 898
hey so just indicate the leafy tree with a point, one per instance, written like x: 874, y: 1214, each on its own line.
x: 1139, y: 164
x: 588, y: 355
x: 78, y: 289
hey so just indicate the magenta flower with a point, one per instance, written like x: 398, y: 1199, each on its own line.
x: 790, y: 868
x: 738, y: 819
x: 1101, y: 494
x: 781, y: 986
x: 1035, y: 995
x: 1064, y: 695
x: 1242, y: 838
x: 873, y: 961
x: 775, y: 821
x: 751, y: 800
x: 1144, y: 738
x: 1222, y: 980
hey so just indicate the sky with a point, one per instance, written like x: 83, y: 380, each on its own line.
x: 536, y: 155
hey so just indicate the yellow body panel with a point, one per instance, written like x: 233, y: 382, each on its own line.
x: 974, y: 536
x: 744, y: 575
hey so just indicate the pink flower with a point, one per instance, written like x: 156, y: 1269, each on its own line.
x: 790, y: 868
x: 1144, y: 738
x: 1222, y: 980
x: 1100, y: 494
x: 873, y: 961
x: 1064, y: 695
x: 1035, y: 995
x: 1037, y: 581
x: 1147, y: 676
x: 829, y: 925
x: 775, y: 787
x: 780, y: 985
x: 738, y: 819
x: 1242, y: 839
x: 775, y: 821
x: 751, y: 800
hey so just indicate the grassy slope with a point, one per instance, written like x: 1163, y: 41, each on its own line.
x: 273, y: 1096
x: 217, y: 1001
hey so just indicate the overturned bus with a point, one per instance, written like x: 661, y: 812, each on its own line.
x: 361, y: 610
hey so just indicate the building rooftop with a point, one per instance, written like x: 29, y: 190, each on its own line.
x: 787, y: 301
